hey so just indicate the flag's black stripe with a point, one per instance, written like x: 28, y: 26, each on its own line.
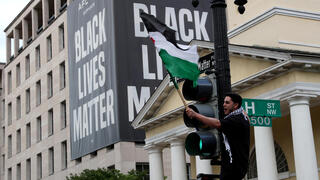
x: 154, y: 25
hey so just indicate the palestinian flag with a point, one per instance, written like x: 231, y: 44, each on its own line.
x: 181, y: 63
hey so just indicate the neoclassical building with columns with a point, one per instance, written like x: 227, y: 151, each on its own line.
x: 274, y: 54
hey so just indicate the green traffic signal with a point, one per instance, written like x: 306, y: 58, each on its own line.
x: 203, y: 143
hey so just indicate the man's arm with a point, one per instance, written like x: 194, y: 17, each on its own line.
x: 211, y: 122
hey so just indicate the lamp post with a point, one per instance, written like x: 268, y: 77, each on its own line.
x: 221, y: 51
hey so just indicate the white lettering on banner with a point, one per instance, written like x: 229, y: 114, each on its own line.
x: 133, y: 99
x: 92, y: 76
x: 159, y: 66
x: 138, y: 24
x: 185, y: 13
x: 197, y: 20
x: 200, y: 25
x: 92, y: 38
x: 145, y: 65
x: 138, y: 32
x: 171, y: 20
x: 99, y: 110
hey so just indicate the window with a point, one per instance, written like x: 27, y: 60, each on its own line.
x: 28, y: 135
x: 28, y: 105
x: 50, y: 84
x: 143, y: 167
x: 28, y: 169
x: 9, y: 146
x: 93, y: 154
x: 64, y: 158
x: 38, y: 93
x: 50, y: 122
x: 188, y: 170
x: 18, y: 171
x: 18, y: 80
x: 27, y: 66
x: 38, y: 58
x: 39, y: 129
x: 110, y: 147
x: 61, y: 37
x: 18, y: 145
x: 51, y: 7
x: 39, y: 166
x: 9, y: 173
x: 9, y: 114
x: 18, y: 108
x: 51, y: 161
x: 49, y: 48
x: 78, y: 160
x: 3, y: 110
x: 63, y: 4
x: 9, y: 82
x: 63, y: 112
x: 282, y: 164
x: 111, y: 167
x: 62, y: 69
x: 3, y: 164
x: 3, y: 136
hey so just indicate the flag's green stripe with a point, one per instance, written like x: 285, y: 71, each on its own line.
x: 179, y: 67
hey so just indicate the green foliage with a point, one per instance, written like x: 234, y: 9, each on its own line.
x: 106, y: 174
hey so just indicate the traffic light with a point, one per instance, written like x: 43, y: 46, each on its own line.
x: 204, y: 142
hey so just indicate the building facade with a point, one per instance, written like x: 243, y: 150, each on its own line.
x: 35, y: 132
x: 274, y: 54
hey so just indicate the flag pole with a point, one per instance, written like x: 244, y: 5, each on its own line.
x: 179, y: 92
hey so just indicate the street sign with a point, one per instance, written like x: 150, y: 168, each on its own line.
x: 261, y: 107
x: 260, y: 121
x: 207, y: 62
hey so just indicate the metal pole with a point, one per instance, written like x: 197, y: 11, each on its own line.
x: 221, y: 51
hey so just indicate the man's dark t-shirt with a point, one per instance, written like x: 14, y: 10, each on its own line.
x: 235, y: 130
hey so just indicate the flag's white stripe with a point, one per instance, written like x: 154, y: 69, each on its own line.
x: 161, y: 42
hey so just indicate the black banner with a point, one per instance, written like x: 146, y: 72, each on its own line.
x: 114, y: 67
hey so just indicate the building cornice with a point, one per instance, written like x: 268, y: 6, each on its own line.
x: 254, y: 52
x: 266, y: 15
x: 164, y: 137
x: 299, y: 44
x: 294, y: 89
x: 304, y: 64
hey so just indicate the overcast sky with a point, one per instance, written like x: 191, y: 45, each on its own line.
x: 9, y: 9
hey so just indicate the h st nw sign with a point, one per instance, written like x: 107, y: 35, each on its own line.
x: 261, y: 111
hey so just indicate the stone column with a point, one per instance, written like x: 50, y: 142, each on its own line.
x: 45, y: 13
x: 303, y: 141
x: 8, y: 46
x: 155, y: 163
x: 265, y: 154
x: 35, y: 24
x: 178, y: 159
x: 57, y: 5
x: 24, y: 32
x: 16, y: 41
x: 203, y: 166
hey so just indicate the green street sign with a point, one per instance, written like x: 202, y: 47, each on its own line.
x: 260, y: 121
x: 261, y: 107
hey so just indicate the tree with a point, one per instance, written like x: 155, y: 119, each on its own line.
x: 107, y: 174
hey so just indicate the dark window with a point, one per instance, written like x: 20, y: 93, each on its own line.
x: 143, y: 167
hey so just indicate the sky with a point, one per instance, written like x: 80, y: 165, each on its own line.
x: 9, y: 9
